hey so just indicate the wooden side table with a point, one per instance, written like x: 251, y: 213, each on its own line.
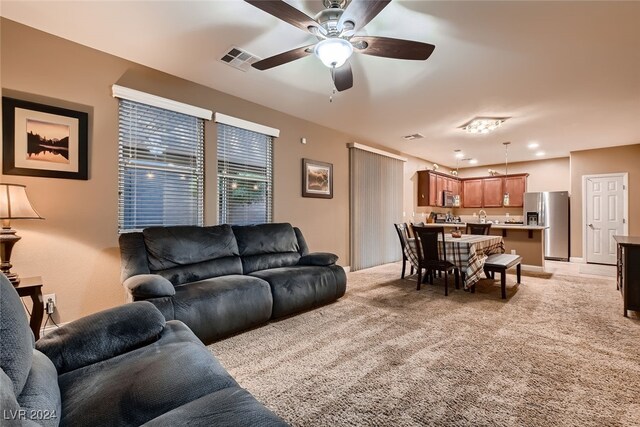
x: 32, y: 287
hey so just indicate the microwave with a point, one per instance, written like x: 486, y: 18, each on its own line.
x: 448, y: 199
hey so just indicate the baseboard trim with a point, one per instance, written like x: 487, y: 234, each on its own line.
x: 578, y: 260
x: 533, y: 268
x: 51, y: 328
x: 347, y: 268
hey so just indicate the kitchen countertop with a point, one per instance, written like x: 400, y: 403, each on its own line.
x: 494, y: 226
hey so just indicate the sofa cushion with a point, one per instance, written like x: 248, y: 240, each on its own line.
x: 40, y: 397
x: 230, y: 407
x: 265, y: 239
x: 202, y: 270
x: 135, y: 387
x: 169, y: 247
x: 301, y: 288
x: 16, y: 349
x: 266, y: 246
x: 102, y: 335
x: 253, y: 263
x: 218, y: 307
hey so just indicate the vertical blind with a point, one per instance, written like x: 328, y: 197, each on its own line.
x: 245, y: 176
x: 375, y: 205
x: 161, y: 167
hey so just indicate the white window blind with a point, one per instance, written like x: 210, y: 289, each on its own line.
x: 161, y: 167
x: 245, y: 176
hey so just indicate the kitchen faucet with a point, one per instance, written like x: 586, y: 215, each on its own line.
x: 483, y: 216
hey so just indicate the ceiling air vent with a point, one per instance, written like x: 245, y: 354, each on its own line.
x: 413, y: 136
x: 238, y: 58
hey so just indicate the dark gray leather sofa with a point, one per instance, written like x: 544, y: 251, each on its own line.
x: 121, y: 367
x: 220, y: 280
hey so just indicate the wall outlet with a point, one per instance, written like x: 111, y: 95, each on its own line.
x: 513, y: 252
x: 50, y: 303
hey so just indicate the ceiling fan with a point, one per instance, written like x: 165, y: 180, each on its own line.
x: 335, y: 28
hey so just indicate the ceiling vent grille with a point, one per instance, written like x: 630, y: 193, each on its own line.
x: 239, y: 59
x: 413, y: 136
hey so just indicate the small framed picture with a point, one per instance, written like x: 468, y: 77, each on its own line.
x: 43, y: 140
x: 317, y: 179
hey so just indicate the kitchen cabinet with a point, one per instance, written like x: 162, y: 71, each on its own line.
x: 423, y: 188
x: 472, y: 193
x: 432, y: 184
x: 492, y: 192
x: 440, y: 187
x: 516, y: 186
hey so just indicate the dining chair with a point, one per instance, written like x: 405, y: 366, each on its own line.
x: 407, y: 253
x: 479, y: 229
x: 432, y: 259
x: 415, y: 224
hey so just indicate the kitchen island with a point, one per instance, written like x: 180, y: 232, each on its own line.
x: 526, y: 240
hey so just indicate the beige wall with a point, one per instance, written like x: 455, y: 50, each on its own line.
x: 75, y: 249
x: 601, y: 161
x: 544, y: 175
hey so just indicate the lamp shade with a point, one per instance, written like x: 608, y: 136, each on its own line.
x: 14, y: 203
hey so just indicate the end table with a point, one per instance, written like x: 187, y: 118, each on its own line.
x: 32, y: 287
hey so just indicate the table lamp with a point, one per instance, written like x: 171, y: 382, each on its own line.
x: 14, y: 204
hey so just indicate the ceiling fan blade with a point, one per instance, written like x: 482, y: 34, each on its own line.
x: 392, y: 48
x: 360, y: 12
x: 286, y: 13
x: 283, y: 58
x: 342, y: 77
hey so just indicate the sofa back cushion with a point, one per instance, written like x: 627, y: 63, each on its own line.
x: 16, y: 339
x: 266, y: 246
x: 185, y: 254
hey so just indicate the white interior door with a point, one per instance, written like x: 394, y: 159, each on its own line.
x: 604, y: 217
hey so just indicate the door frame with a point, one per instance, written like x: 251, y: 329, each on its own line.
x: 625, y: 208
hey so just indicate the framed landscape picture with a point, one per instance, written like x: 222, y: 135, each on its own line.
x: 317, y: 179
x: 42, y: 140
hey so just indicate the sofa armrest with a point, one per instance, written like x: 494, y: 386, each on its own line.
x: 149, y: 286
x: 319, y: 259
x: 102, y: 335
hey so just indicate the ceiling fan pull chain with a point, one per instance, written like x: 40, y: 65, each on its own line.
x: 333, y: 87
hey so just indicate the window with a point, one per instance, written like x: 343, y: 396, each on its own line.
x: 161, y: 167
x: 245, y: 175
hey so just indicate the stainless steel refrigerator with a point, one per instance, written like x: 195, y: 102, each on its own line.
x: 550, y: 209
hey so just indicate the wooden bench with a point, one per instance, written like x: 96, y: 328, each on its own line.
x: 500, y: 263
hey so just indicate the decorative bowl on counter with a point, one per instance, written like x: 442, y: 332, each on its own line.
x: 456, y: 234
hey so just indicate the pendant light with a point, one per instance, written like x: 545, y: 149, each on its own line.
x: 505, y: 197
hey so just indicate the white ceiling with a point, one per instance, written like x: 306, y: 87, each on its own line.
x: 567, y: 73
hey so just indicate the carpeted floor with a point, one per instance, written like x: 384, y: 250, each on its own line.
x: 557, y: 352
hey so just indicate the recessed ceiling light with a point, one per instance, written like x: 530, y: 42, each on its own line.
x: 473, y: 161
x: 540, y: 153
x: 533, y: 145
x: 483, y: 124
x: 459, y: 154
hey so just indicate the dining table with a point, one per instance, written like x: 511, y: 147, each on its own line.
x: 467, y: 252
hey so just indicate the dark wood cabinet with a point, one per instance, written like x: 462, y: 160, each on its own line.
x: 492, y: 192
x: 516, y: 186
x: 423, y: 188
x: 472, y: 193
x: 628, y: 276
x: 433, y: 192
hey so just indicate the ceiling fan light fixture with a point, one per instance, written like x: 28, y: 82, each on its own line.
x: 333, y: 52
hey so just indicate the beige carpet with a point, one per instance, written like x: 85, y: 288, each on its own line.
x: 557, y: 352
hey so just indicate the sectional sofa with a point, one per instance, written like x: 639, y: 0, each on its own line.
x: 220, y: 280
x: 125, y: 366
